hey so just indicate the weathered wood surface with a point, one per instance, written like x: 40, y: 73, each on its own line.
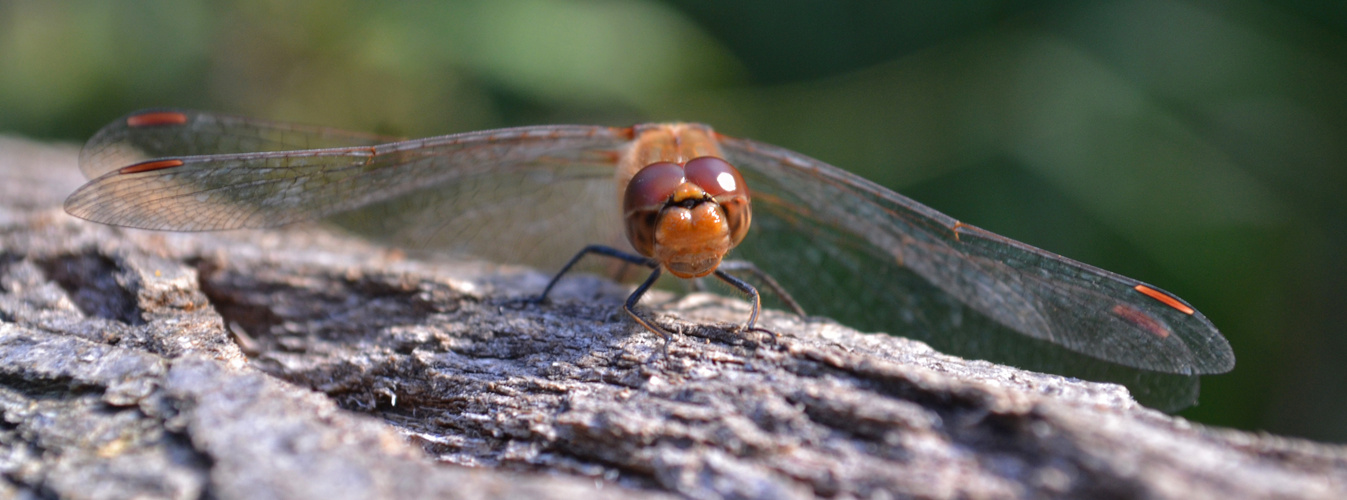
x: 305, y: 364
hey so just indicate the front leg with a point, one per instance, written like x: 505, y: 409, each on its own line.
x: 766, y: 280
x: 603, y: 250
x: 633, y: 299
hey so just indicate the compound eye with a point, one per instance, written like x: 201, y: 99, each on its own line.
x: 652, y: 186
x: 716, y: 176
x: 723, y: 183
x: 647, y: 193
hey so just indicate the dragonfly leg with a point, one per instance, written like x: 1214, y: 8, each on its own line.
x: 766, y: 280
x: 630, y: 307
x: 594, y: 249
x: 753, y: 294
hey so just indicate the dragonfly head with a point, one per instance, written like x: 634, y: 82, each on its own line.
x: 687, y: 217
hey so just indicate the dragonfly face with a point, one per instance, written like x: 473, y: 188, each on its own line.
x: 844, y: 246
x: 666, y: 178
x: 687, y: 217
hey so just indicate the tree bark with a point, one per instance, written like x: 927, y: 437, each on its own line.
x: 301, y: 363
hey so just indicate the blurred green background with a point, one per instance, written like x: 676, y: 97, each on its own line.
x: 1195, y: 145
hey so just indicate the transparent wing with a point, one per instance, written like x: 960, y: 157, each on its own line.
x: 168, y: 133
x: 189, y: 171
x: 827, y: 233
x: 539, y: 215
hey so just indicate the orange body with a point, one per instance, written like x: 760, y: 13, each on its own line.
x: 671, y: 142
x: 688, y: 231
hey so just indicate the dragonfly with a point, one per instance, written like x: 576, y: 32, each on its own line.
x: 675, y: 197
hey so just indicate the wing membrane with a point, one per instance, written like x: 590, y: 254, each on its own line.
x: 870, y: 232
x: 458, y: 192
x: 279, y: 187
x: 161, y: 133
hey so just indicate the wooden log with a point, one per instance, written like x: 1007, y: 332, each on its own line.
x: 301, y: 363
